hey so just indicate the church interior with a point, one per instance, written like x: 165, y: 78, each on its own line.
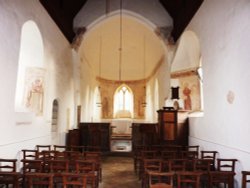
x: 125, y: 78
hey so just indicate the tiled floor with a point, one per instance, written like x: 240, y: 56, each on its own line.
x: 118, y: 172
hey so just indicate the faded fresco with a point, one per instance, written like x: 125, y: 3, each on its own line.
x: 189, y: 90
x: 34, y: 90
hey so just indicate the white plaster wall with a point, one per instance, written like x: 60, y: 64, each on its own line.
x: 163, y: 80
x: 223, y: 30
x: 25, y: 130
x: 87, y: 86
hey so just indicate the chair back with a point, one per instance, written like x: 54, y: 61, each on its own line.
x: 8, y: 165
x: 160, y: 179
x: 245, y: 178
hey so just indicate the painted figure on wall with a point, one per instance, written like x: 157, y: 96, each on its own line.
x: 105, y: 108
x: 34, y: 90
x: 187, y: 99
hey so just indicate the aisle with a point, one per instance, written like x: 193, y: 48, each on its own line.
x: 119, y: 172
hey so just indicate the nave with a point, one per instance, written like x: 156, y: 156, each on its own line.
x: 118, y: 172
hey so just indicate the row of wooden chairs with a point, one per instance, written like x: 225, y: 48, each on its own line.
x: 68, y: 179
x: 170, y: 155
x: 67, y: 148
x: 57, y: 160
x: 165, y: 151
x: 186, y: 158
x: 167, y: 179
x: 224, y: 174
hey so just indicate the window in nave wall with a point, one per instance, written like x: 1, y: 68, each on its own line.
x: 156, y: 99
x: 97, y: 104
x: 31, y: 73
x: 123, y: 102
x: 54, y: 125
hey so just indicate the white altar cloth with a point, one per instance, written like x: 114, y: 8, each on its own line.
x: 122, y: 126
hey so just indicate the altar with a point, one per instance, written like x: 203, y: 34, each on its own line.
x: 121, y: 135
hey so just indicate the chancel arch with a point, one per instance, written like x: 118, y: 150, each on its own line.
x: 31, y: 73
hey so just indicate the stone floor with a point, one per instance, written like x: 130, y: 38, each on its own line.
x: 118, y: 172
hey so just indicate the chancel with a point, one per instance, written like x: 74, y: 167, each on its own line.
x: 109, y: 84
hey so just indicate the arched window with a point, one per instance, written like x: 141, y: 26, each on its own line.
x: 123, y: 102
x: 54, y: 125
x: 97, y: 104
x: 30, y: 77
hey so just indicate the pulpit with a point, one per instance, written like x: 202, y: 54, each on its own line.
x: 172, y: 127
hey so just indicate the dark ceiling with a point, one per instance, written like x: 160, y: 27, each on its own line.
x: 64, y: 11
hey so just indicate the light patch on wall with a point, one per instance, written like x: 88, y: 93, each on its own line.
x: 230, y: 97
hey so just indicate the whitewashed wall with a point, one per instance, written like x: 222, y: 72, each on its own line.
x: 223, y: 30
x: 25, y: 130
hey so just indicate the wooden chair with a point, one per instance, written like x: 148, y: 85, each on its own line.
x: 160, y: 179
x: 8, y: 174
x: 165, y: 166
x: 203, y: 166
x: 79, y: 180
x: 224, y: 174
x: 43, y: 147
x: 188, y: 179
x: 31, y: 166
x: 88, y: 167
x: 178, y: 165
x: 166, y: 155
x: 192, y: 148
x: 73, y: 155
x: 137, y: 156
x: 58, y: 167
x: 209, y: 155
x: 150, y: 165
x: 146, y: 154
x: 61, y: 148
x: 245, y: 178
x: 40, y: 149
x: 189, y: 154
x: 96, y: 158
x: 77, y: 148
x: 39, y: 179
x: 175, y: 148
x: 29, y: 154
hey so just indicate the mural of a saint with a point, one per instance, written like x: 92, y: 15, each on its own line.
x: 34, y: 90
x: 187, y: 100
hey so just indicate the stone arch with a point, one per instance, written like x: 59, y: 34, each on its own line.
x: 186, y: 72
